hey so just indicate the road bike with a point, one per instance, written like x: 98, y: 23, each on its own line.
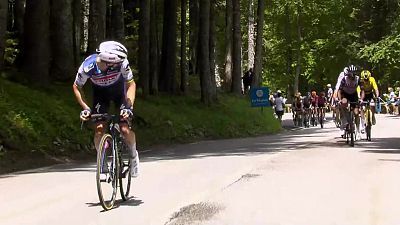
x: 368, y: 118
x: 338, y: 121
x: 350, y: 133
x: 298, y: 118
x: 313, y: 119
x: 113, y: 164
x: 306, y: 114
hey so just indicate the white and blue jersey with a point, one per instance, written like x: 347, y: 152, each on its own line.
x: 89, y: 70
x: 108, y: 85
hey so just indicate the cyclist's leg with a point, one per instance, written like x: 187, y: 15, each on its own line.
x: 373, y: 107
x: 362, y: 117
x: 128, y: 134
x: 101, y: 103
x: 343, y: 112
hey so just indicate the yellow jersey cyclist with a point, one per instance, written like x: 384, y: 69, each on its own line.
x: 370, y: 89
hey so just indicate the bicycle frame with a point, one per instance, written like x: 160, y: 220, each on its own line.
x: 117, y: 173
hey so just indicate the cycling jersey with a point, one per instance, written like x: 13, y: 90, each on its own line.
x: 89, y: 69
x: 314, y: 101
x: 369, y: 85
x: 107, y: 85
x: 307, y: 102
x: 340, y: 78
x: 321, y: 101
x: 348, y: 85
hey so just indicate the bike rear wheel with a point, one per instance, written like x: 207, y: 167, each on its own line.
x: 125, y: 173
x: 352, y: 130
x: 107, y: 170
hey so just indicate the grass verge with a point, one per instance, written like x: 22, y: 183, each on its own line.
x: 42, y: 127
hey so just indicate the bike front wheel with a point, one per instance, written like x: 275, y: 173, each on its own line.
x: 125, y: 173
x: 107, y: 170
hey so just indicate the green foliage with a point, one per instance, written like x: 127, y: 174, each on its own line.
x: 48, y: 120
x: 184, y: 119
x: 39, y: 121
x: 11, y: 51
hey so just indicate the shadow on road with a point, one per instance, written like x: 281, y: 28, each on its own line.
x: 288, y: 140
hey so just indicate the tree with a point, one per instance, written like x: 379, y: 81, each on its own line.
x: 153, y: 49
x: 213, y: 87
x: 117, y: 20
x: 237, y: 49
x: 37, y: 41
x: 204, y: 54
x: 77, y: 11
x: 144, y: 46
x: 97, y: 24
x: 168, y: 55
x: 228, y: 46
x: 258, y: 66
x: 250, y: 35
x: 299, y: 54
x: 193, y: 35
x: 3, y: 28
x: 62, y: 66
x: 184, y: 69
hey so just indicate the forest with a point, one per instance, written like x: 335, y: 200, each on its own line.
x: 178, y: 46
x: 188, y: 59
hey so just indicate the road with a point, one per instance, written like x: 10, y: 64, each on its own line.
x: 300, y: 176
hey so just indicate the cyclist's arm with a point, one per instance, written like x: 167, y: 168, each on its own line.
x: 339, y: 80
x: 79, y: 95
x: 374, y: 86
x: 131, y: 93
x: 80, y: 80
x: 130, y: 83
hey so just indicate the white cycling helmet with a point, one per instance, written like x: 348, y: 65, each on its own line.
x: 112, y: 52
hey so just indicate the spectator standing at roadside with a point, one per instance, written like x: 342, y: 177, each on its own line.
x: 279, y: 105
x: 247, y: 79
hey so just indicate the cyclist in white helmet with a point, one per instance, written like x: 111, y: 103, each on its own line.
x: 112, y: 80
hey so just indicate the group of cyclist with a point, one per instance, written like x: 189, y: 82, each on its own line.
x: 354, y: 87
x: 309, y: 109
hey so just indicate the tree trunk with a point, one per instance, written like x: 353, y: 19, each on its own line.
x: 3, y: 29
x: 97, y: 24
x: 62, y: 68
x: 204, y: 54
x: 193, y: 35
x: 109, y: 29
x: 289, y: 53
x: 144, y: 46
x: 37, y: 41
x: 85, y: 26
x: 228, y: 47
x: 250, y: 33
x: 19, y: 17
x: 77, y: 15
x: 299, y: 41
x: 117, y: 20
x: 213, y: 88
x: 257, y: 79
x: 184, y: 69
x: 237, y: 53
x: 19, y: 23
x: 153, y: 49
x: 168, y: 56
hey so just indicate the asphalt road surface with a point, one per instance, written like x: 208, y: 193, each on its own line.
x: 298, y: 177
